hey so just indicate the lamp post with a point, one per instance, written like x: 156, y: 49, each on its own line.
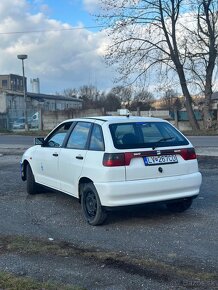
x: 22, y: 57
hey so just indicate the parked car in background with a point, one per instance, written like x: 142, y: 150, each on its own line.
x: 19, y: 123
x: 109, y: 162
x: 33, y: 122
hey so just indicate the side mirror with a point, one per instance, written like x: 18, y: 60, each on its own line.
x: 39, y: 141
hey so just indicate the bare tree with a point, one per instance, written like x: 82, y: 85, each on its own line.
x: 112, y: 102
x: 202, y: 56
x: 89, y: 91
x: 169, y: 99
x: 142, y: 100
x: 70, y: 92
x: 123, y: 93
x: 147, y: 34
x: 90, y: 96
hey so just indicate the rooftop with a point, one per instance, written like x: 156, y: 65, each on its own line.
x: 41, y: 97
x: 214, y: 96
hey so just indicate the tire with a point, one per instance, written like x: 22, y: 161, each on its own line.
x: 32, y: 186
x: 180, y: 206
x: 91, y: 205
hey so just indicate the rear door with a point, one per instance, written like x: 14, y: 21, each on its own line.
x: 163, y: 163
x: 152, y: 150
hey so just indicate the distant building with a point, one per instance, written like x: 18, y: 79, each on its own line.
x: 214, y: 105
x: 12, y: 98
x: 214, y: 100
x: 12, y: 82
x: 35, y: 85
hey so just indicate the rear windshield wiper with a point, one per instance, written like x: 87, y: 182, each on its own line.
x: 162, y: 140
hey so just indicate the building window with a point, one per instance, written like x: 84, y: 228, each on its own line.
x: 14, y: 105
x: 58, y: 106
x: 4, y: 83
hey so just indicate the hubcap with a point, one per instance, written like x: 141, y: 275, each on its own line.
x: 91, y: 204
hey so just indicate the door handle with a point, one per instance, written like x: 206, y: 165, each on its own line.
x: 55, y: 154
x: 79, y: 157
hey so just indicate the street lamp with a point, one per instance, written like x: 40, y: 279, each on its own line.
x: 22, y: 57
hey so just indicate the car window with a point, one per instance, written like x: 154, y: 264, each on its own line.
x: 145, y: 135
x: 20, y: 121
x: 79, y: 136
x: 58, y: 136
x: 97, y: 141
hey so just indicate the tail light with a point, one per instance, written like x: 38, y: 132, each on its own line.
x: 124, y: 159
x: 114, y: 159
x: 188, y: 153
x: 118, y: 159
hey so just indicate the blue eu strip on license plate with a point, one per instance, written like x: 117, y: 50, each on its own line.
x: 162, y: 159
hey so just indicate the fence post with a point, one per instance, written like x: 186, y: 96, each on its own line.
x: 138, y: 111
x: 176, y: 118
x: 40, y: 123
x: 217, y: 112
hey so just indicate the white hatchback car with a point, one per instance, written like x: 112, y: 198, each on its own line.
x: 115, y: 161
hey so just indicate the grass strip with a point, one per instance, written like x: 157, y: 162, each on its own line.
x: 12, y: 282
x: 146, y: 267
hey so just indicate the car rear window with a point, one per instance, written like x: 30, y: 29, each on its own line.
x: 145, y: 135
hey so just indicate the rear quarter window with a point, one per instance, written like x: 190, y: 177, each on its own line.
x: 97, y: 140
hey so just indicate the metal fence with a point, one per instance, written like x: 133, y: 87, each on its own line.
x: 3, y: 121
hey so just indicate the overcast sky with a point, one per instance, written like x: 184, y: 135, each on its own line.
x: 65, y: 47
x: 68, y: 55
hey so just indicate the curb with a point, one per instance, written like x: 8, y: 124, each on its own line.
x: 207, y: 151
x: 12, y: 149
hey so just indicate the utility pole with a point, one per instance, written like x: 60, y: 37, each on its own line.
x: 23, y: 57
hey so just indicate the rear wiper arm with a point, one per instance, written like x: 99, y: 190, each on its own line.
x: 162, y: 140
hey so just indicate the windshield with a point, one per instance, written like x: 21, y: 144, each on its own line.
x: 145, y: 135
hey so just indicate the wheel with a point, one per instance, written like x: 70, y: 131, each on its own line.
x: 91, y: 205
x: 180, y: 206
x: 32, y: 186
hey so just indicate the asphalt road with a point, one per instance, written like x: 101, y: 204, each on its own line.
x: 204, y: 141
x: 141, y: 248
x: 16, y: 140
x: 200, y: 141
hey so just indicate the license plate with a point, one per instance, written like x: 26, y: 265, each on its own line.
x: 162, y: 159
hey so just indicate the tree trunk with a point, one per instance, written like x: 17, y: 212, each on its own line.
x: 188, y: 100
x: 190, y: 112
x: 207, y: 119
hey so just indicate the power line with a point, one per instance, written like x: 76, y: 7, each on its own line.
x: 51, y: 30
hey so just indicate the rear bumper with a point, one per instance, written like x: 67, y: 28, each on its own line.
x: 151, y: 190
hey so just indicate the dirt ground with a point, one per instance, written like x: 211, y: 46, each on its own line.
x: 147, y: 247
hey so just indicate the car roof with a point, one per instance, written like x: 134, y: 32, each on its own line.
x: 119, y: 119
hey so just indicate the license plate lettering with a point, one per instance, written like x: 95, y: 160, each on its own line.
x: 163, y: 159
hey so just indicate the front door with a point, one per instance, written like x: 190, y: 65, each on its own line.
x: 46, y: 163
x: 72, y: 158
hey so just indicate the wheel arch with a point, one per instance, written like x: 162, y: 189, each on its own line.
x: 24, y: 168
x: 83, y: 180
